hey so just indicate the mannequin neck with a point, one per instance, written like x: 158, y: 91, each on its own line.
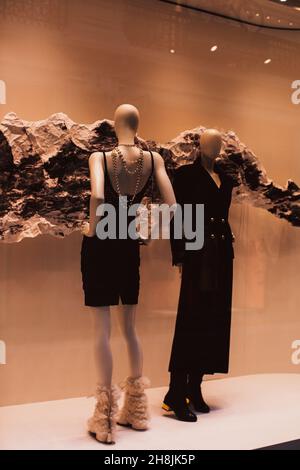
x: 126, y: 138
x: 207, y: 162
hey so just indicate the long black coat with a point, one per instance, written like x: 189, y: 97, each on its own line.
x: 202, y: 332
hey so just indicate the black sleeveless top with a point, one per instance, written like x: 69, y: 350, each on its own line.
x: 111, y: 196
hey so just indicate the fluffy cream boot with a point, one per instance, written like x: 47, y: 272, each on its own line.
x: 103, y: 422
x: 135, y: 412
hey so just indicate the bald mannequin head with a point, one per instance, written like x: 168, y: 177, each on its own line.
x: 126, y: 118
x: 211, y: 143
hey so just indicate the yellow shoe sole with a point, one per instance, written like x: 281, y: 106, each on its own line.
x: 168, y: 408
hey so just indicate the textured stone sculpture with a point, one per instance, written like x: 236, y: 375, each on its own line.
x: 44, y: 175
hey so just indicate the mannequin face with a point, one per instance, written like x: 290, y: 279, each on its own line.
x: 211, y: 144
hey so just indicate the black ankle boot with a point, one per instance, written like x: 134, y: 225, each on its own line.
x: 175, y: 399
x: 179, y: 406
x: 194, y: 393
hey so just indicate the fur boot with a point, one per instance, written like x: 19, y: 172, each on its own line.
x: 135, y: 412
x: 103, y: 422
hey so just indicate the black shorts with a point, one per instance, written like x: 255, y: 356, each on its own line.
x: 110, y: 270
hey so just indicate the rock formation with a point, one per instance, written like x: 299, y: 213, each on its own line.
x: 44, y: 174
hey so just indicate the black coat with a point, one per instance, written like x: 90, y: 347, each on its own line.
x: 202, y: 331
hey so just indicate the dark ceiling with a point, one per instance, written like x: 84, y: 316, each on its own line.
x: 265, y: 13
x: 289, y: 3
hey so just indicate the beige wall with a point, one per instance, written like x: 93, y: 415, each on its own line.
x: 86, y: 57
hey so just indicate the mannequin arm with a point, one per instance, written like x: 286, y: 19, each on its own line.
x: 166, y: 192
x: 177, y: 244
x: 97, y: 190
x: 167, y: 197
x: 163, y: 181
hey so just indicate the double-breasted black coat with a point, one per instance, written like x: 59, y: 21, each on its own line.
x: 202, y: 331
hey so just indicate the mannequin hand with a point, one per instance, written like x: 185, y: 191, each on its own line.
x: 145, y: 241
x: 179, y: 266
x: 86, y: 230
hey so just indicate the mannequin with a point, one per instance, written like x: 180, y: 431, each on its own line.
x: 105, y: 170
x: 202, y: 331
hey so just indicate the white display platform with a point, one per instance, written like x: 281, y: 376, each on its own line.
x: 248, y: 412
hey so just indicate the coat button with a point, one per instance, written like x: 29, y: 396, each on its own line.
x: 212, y: 219
x: 212, y: 235
x: 223, y: 237
x: 223, y: 220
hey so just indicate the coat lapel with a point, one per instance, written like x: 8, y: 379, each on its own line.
x: 203, y: 172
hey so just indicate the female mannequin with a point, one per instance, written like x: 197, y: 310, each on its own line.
x: 110, y: 268
x: 202, y: 331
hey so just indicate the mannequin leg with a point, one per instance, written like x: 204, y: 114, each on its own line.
x: 195, y: 379
x: 102, y: 424
x: 126, y: 316
x: 195, y: 393
x: 178, y: 383
x: 177, y: 386
x: 135, y: 410
x: 102, y: 349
